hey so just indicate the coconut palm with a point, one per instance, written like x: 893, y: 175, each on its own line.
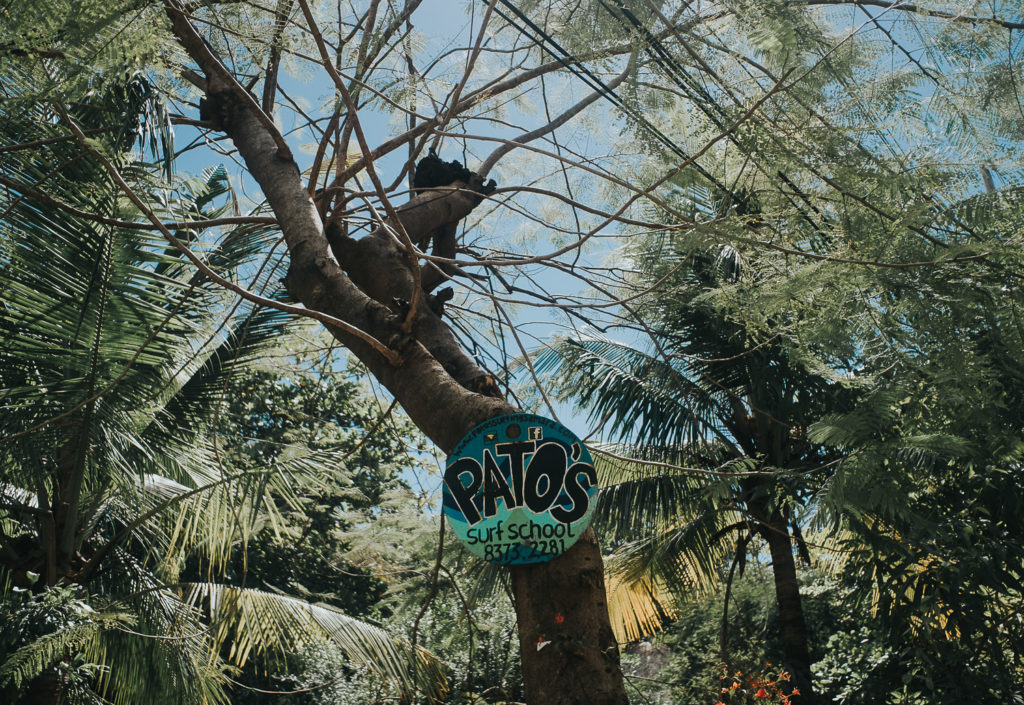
x: 711, y: 453
x: 114, y: 359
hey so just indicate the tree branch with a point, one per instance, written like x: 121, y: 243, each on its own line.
x: 916, y: 9
x: 422, y: 378
x: 220, y: 81
x: 353, y: 119
x: 569, y: 114
x: 382, y: 349
x: 281, y: 12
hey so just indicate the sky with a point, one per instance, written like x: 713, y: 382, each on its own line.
x: 440, y: 26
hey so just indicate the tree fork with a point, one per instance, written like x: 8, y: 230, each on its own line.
x: 569, y: 653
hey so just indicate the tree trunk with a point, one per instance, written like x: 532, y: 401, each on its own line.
x: 792, y: 626
x: 44, y: 689
x: 562, y: 602
x: 569, y: 654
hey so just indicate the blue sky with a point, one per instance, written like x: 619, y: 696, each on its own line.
x: 442, y: 25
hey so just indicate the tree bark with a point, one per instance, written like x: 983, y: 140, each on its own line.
x: 44, y: 689
x: 562, y: 602
x: 568, y: 651
x: 792, y: 626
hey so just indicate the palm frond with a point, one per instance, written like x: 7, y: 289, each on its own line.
x: 45, y: 652
x: 167, y: 654
x: 637, y: 608
x: 647, y: 487
x: 686, y: 556
x: 194, y: 402
x: 263, y: 624
x: 644, y: 398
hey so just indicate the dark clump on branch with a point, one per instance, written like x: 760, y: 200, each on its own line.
x: 432, y: 171
x: 742, y: 202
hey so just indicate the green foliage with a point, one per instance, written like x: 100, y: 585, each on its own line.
x: 476, y: 635
x: 49, y: 630
x: 296, y: 401
x: 257, y: 623
x: 465, y: 618
x: 856, y: 664
x: 468, y: 627
x: 833, y: 313
x: 70, y: 49
x: 874, y: 212
x: 685, y: 663
x: 479, y: 647
x: 717, y: 417
x: 929, y: 490
x: 857, y: 668
x: 116, y: 361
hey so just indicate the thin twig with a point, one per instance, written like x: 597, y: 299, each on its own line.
x: 324, y: 318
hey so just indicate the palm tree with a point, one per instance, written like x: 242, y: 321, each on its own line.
x: 114, y: 359
x: 710, y: 422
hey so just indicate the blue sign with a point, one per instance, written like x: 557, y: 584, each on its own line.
x: 519, y: 489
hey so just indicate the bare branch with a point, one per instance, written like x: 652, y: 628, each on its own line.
x: 353, y: 119
x: 916, y: 9
x: 565, y: 117
x: 281, y: 13
x: 205, y: 269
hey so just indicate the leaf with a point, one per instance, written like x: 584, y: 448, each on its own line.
x: 637, y: 608
x: 253, y: 622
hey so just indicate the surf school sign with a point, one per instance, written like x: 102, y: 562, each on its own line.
x: 519, y: 489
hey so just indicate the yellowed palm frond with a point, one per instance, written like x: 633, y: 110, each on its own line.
x: 917, y: 584
x: 910, y: 583
x: 638, y: 607
x: 828, y: 552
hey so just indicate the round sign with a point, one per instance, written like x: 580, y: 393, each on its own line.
x: 519, y: 489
